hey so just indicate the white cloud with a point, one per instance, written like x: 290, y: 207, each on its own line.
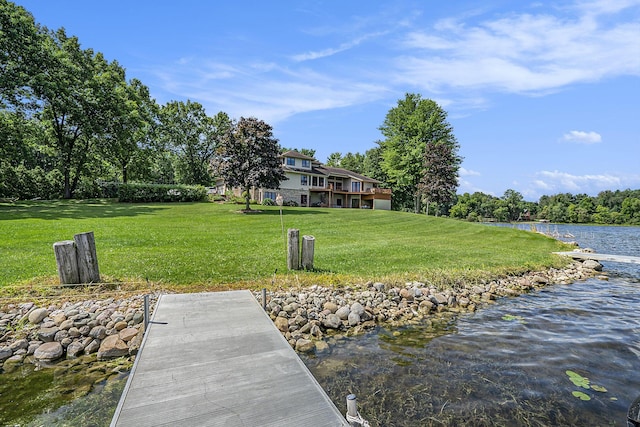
x: 524, y: 53
x: 566, y: 182
x: 582, y: 137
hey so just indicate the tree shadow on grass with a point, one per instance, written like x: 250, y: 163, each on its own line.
x: 288, y: 212
x: 73, y: 209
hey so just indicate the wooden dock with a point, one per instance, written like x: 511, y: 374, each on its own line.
x: 601, y: 257
x: 220, y: 361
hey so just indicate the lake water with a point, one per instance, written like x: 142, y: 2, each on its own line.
x: 568, y: 355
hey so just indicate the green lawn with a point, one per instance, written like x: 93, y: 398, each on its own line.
x: 208, y: 243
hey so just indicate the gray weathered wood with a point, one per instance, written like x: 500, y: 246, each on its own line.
x: 66, y: 261
x: 308, y: 243
x: 220, y: 361
x: 88, y: 271
x: 293, y: 249
x: 601, y: 257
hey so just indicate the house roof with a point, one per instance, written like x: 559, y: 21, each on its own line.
x: 295, y: 154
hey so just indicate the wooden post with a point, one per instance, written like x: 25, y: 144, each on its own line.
x: 88, y: 271
x: 308, y: 243
x: 66, y: 261
x: 293, y: 252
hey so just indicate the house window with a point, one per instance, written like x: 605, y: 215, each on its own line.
x: 306, y: 163
x: 320, y: 182
x: 355, y: 187
x: 304, y: 180
x: 314, y: 181
x: 303, y: 200
x: 270, y: 195
x: 291, y: 161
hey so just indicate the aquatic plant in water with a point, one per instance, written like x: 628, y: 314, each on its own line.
x: 580, y: 381
x: 512, y: 318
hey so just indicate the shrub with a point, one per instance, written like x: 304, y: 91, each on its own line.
x: 268, y: 202
x: 136, y: 193
x: 290, y: 203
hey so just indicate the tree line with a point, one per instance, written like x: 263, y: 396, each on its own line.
x: 69, y: 119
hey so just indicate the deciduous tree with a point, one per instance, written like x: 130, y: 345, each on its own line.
x: 248, y: 156
x: 410, y: 128
x: 194, y: 136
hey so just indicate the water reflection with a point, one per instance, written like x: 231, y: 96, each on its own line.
x: 507, y: 364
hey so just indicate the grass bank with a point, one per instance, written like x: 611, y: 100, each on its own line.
x: 208, y: 244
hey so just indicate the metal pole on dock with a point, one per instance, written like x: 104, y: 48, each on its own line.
x: 146, y: 312
x: 353, y: 416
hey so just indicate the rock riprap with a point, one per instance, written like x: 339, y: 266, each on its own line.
x: 307, y: 315
x: 111, y: 328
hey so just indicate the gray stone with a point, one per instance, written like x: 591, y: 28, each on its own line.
x: 74, y: 350
x: 343, y: 313
x: 98, y: 332
x: 357, y: 308
x: 19, y: 345
x: 47, y: 334
x: 60, y: 335
x: 592, y: 265
x: 112, y: 347
x: 5, y: 353
x: 354, y: 319
x: 66, y: 324
x: 92, y: 347
x: 37, y: 315
x: 439, y: 298
x: 138, y: 317
x: 49, y: 351
x: 332, y: 321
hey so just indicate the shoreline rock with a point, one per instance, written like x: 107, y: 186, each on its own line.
x: 305, y: 316
x: 314, y: 313
x: 46, y: 335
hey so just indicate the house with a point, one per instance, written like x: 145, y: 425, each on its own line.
x: 310, y: 183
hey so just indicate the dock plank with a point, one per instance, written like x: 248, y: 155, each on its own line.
x: 220, y: 361
x: 601, y: 257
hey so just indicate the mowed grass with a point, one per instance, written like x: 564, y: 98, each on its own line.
x: 215, y: 244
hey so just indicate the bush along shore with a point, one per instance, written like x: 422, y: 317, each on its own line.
x: 113, y: 328
x: 306, y: 317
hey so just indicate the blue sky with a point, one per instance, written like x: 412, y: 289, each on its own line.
x: 543, y: 96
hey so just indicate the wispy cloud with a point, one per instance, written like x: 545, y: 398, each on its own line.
x: 468, y: 172
x: 332, y: 51
x: 524, y: 53
x: 582, y: 137
x: 461, y: 60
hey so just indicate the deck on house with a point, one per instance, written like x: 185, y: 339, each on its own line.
x: 601, y: 257
x: 220, y: 361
